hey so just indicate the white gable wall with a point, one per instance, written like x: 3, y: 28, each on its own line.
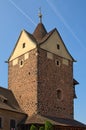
x: 51, y: 46
x: 19, y: 50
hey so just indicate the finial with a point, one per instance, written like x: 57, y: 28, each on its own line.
x: 40, y: 15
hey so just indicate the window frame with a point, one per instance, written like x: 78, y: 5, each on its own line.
x: 13, y: 125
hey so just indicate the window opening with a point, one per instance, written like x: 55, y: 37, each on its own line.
x: 58, y: 46
x: 21, y: 63
x: 57, y: 62
x: 59, y: 94
x: 12, y: 124
x: 23, y: 46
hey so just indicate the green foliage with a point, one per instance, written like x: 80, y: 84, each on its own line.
x: 33, y: 127
x: 48, y: 125
x: 42, y: 128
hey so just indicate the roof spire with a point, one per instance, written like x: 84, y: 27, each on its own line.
x: 40, y: 15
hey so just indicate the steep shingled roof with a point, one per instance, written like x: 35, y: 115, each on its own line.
x: 8, y: 101
x: 39, y: 32
x: 39, y: 36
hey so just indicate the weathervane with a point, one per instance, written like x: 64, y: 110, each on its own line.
x: 40, y: 15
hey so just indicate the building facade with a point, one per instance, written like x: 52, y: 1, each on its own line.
x: 40, y: 76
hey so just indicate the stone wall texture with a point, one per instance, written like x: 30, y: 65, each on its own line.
x: 23, y: 82
x: 51, y: 78
x: 36, y: 83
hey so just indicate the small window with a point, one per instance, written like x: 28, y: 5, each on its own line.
x: 12, y: 124
x: 58, y: 46
x: 21, y: 63
x: 0, y: 122
x: 59, y: 94
x: 57, y: 62
x: 23, y: 46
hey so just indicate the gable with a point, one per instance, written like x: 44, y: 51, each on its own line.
x: 54, y: 44
x: 24, y: 44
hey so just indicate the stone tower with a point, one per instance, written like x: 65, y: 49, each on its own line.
x: 41, y: 74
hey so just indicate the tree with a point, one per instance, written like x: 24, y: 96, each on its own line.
x: 42, y: 128
x: 33, y: 127
x: 48, y: 125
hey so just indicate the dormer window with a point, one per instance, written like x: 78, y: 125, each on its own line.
x: 58, y: 46
x: 3, y: 99
x: 23, y: 46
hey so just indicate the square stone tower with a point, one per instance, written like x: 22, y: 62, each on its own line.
x: 41, y: 74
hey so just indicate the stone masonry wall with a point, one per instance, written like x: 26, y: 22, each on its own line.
x: 23, y: 81
x: 51, y: 78
x: 36, y: 84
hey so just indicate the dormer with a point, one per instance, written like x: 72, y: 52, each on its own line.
x: 3, y: 99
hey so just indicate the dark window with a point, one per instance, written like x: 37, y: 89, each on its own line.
x: 21, y: 62
x: 58, y: 46
x: 12, y: 124
x: 59, y: 94
x: 0, y: 122
x: 57, y: 62
x: 23, y: 46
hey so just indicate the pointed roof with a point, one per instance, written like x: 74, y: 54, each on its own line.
x: 39, y: 32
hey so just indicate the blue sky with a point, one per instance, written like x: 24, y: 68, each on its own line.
x: 68, y: 16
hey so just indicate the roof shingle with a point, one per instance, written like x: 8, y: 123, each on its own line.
x: 39, y: 119
x: 10, y: 103
x: 39, y: 32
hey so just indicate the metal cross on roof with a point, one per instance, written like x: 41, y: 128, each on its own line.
x: 40, y: 15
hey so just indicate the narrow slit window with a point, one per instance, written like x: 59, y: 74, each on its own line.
x: 59, y: 94
x: 21, y: 63
x: 23, y: 46
x: 57, y: 62
x: 58, y: 46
